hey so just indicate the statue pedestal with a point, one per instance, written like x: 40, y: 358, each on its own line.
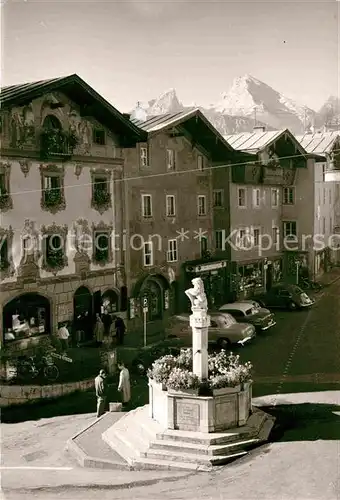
x: 200, y: 322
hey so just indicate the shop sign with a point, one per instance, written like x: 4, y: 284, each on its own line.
x: 208, y: 267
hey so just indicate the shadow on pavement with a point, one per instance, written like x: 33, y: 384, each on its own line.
x: 305, y: 422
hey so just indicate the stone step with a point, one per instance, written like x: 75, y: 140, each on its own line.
x: 266, y: 429
x: 205, y: 450
x: 191, y: 458
x: 216, y: 438
x: 151, y: 464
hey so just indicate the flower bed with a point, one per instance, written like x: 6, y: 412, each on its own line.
x: 224, y: 371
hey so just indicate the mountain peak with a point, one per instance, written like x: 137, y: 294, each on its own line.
x: 167, y: 102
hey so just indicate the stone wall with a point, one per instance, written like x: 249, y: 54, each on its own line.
x: 17, y: 394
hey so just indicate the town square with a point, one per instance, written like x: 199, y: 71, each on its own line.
x: 170, y: 250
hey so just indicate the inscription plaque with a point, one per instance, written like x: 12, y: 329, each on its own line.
x: 188, y: 415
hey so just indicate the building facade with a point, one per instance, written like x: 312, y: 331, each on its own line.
x: 169, y: 223
x: 260, y: 189
x: 325, y: 146
x: 60, y: 197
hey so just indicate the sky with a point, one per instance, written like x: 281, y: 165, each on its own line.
x: 133, y: 50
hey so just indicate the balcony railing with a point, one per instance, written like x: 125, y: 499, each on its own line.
x: 57, y: 143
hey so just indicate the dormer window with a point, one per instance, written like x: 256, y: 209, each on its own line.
x: 99, y: 137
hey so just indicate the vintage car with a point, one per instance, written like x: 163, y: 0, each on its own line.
x: 285, y: 296
x: 250, y: 311
x: 223, y: 331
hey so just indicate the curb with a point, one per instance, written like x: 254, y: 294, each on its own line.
x: 85, y: 460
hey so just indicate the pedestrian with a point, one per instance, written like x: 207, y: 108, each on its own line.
x: 99, y: 330
x: 124, y: 386
x: 120, y: 329
x: 100, y: 385
x: 63, y: 335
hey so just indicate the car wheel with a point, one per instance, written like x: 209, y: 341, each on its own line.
x: 224, y: 343
x: 292, y: 306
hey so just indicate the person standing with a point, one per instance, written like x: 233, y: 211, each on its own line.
x: 100, y: 385
x: 63, y: 335
x: 124, y: 386
x: 99, y: 330
x: 120, y: 329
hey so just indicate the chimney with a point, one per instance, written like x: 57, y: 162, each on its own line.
x: 139, y: 113
x: 259, y: 128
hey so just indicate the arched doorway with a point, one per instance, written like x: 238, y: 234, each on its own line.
x: 153, y: 288
x: 83, y: 313
x: 110, y: 302
x: 25, y: 316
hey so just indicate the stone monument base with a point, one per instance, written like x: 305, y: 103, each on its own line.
x: 147, y: 444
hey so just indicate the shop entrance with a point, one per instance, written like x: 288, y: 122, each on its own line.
x: 83, y: 313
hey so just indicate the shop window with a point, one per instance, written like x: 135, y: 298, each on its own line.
x: 250, y: 276
x: 110, y: 302
x: 26, y: 316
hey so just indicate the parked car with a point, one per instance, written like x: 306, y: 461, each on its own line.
x: 250, y: 311
x: 147, y: 355
x: 285, y: 296
x: 223, y: 331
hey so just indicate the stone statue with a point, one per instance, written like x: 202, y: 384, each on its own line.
x: 197, y: 295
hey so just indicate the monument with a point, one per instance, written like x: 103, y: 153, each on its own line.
x: 184, y: 426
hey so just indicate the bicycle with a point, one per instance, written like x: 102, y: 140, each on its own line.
x: 29, y: 368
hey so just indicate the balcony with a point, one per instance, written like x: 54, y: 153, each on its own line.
x: 55, y: 142
x: 263, y: 174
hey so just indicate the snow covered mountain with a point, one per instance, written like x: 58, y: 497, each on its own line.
x: 248, y: 102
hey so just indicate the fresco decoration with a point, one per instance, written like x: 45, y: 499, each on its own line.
x: 22, y: 128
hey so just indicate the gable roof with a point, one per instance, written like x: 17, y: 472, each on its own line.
x: 197, y: 126
x: 319, y: 143
x: 256, y: 141
x: 79, y: 92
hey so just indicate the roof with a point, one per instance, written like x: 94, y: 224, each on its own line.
x: 318, y: 143
x: 79, y: 92
x: 256, y: 141
x: 196, y: 127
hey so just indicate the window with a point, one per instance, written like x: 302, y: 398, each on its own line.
x: 147, y: 205
x: 288, y: 196
x: 170, y: 205
x: 3, y: 187
x: 101, y: 191
x: 170, y: 159
x: 256, y: 197
x: 200, y: 162
x: 241, y: 238
x: 5, y: 197
x: 204, y: 246
x: 324, y: 196
x: 242, y: 201
x: 144, y: 157
x: 172, y: 251
x: 52, y: 190
x: 218, y: 197
x: 4, y: 256
x: 99, y: 137
x: 201, y: 205
x: 101, y: 246
x: 256, y: 237
x: 219, y: 240
x: 148, y: 254
x: 289, y: 229
x: 54, y: 251
x: 275, y: 235
x: 275, y: 197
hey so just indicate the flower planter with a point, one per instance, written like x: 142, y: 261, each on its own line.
x: 226, y: 390
x: 158, y: 402
x: 184, y: 392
